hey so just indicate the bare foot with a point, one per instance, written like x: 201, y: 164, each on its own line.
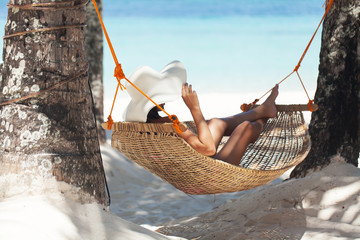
x: 270, y: 110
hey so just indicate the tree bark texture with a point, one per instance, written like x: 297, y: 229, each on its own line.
x: 334, y: 128
x: 53, y: 133
x: 94, y: 52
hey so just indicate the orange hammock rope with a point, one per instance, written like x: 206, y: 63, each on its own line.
x: 119, y: 74
x: 246, y: 107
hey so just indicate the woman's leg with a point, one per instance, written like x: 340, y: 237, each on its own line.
x: 220, y: 127
x: 265, y: 110
x: 244, y: 134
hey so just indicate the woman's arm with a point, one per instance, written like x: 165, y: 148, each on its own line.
x: 204, y: 142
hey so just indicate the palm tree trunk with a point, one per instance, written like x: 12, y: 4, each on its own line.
x: 52, y: 134
x: 94, y: 52
x: 334, y: 129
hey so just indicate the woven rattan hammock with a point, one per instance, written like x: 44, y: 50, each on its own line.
x: 284, y: 143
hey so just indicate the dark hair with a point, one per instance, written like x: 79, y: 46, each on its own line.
x: 153, y: 115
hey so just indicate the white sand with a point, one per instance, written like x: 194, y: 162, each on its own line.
x: 45, y: 213
x: 140, y: 197
x: 324, y: 205
x: 54, y: 217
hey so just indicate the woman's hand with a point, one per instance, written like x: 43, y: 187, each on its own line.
x: 203, y: 142
x: 190, y: 97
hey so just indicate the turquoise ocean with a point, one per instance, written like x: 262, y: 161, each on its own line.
x: 231, y: 46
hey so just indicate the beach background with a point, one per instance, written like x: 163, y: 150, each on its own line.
x: 234, y: 52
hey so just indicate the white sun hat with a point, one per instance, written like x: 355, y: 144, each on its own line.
x: 161, y: 87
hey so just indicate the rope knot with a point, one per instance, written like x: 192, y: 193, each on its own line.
x: 246, y: 107
x: 109, y: 122
x: 310, y: 105
x: 176, y: 122
x: 119, y: 74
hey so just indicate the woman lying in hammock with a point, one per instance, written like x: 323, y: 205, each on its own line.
x: 243, y: 128
x: 168, y: 85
